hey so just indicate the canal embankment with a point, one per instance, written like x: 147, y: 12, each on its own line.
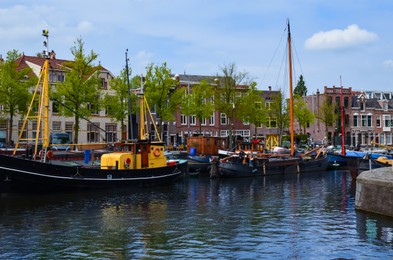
x: 374, y: 191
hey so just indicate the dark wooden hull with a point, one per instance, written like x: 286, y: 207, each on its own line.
x: 27, y: 175
x: 271, y: 166
x: 235, y: 167
x: 356, y: 165
x: 313, y: 164
x: 199, y: 164
x: 337, y: 160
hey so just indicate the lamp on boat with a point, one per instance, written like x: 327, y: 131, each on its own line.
x: 45, y: 32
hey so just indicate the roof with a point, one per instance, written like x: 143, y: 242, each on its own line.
x: 54, y: 64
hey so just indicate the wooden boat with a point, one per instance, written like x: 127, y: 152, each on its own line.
x: 253, y: 161
x: 140, y: 162
x: 363, y: 161
x: 336, y: 160
x: 201, y: 150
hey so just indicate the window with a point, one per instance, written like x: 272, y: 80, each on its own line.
x: 68, y: 128
x: 192, y: 120
x: 183, y: 119
x: 355, y: 121
x: 111, y: 132
x: 271, y: 122
x: 56, y: 126
x: 346, y: 102
x: 269, y: 105
x: 93, y: 133
x: 378, y: 121
x: 211, y: 120
x: 362, y: 106
x: 93, y: 109
x: 203, y: 121
x: 364, y: 120
x: 387, y: 121
x: 369, y: 120
x: 60, y: 77
x: 34, y: 129
x: 55, y: 107
x: 224, y: 119
x: 104, y: 84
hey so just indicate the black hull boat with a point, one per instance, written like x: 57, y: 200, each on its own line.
x: 133, y: 163
x: 356, y: 165
x: 18, y: 174
x: 314, y: 163
x: 244, y: 167
x: 199, y: 164
x: 238, y: 167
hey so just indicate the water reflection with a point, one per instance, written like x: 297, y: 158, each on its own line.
x: 297, y: 216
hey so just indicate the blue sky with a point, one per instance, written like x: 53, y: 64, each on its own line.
x: 351, y: 39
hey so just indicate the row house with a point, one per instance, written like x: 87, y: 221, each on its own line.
x: 367, y: 117
x: 218, y: 124
x: 90, y: 131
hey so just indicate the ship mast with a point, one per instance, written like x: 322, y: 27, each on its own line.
x: 291, y: 129
x: 43, y: 108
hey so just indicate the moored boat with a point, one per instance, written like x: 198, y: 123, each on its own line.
x: 139, y: 162
x: 254, y: 161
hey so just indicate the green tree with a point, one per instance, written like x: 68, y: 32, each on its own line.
x: 279, y: 109
x: 14, y: 88
x: 228, y: 92
x: 117, y: 102
x: 327, y: 113
x: 80, y: 91
x: 302, y: 114
x: 300, y: 89
x: 199, y: 102
x: 160, y: 92
x: 252, y: 108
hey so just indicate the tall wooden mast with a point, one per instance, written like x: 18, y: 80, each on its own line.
x: 291, y: 129
x: 41, y: 118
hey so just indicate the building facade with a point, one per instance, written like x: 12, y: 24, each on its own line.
x: 91, y: 131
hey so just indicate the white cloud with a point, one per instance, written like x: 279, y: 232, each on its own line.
x: 388, y: 63
x: 340, y: 39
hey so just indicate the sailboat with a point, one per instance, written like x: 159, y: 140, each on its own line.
x: 252, y: 161
x: 139, y: 162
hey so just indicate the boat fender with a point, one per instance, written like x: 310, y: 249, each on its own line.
x: 49, y: 154
x: 156, y: 152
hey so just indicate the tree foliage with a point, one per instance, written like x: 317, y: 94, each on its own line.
x: 160, y: 92
x: 302, y: 114
x: 227, y: 98
x: 252, y: 108
x: 199, y: 102
x: 279, y: 110
x: 14, y: 88
x: 81, y: 89
x: 327, y: 113
x: 300, y: 89
x: 116, y: 102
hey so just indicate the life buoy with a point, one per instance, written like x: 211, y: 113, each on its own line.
x: 49, y: 154
x: 157, y: 152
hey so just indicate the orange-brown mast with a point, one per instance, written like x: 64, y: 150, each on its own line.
x: 291, y: 130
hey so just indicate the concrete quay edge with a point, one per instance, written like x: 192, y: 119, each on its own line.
x: 374, y: 191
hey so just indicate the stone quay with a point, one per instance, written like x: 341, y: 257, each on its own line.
x: 374, y: 191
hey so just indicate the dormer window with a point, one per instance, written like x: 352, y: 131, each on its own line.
x: 362, y: 106
x: 385, y: 106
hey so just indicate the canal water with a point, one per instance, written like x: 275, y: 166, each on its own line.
x: 306, y: 216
